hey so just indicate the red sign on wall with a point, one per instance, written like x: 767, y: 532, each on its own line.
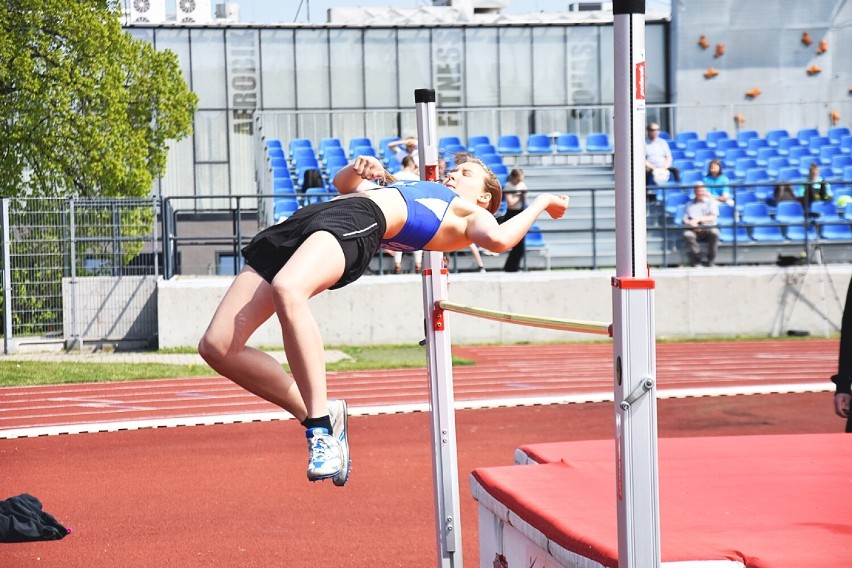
x: 640, y: 81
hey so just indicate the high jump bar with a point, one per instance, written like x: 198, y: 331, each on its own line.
x: 579, y: 326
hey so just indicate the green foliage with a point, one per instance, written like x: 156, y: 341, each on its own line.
x: 87, y: 110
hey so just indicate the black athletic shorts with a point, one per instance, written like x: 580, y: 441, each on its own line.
x: 357, y: 223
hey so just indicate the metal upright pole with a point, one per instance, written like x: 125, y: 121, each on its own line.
x: 5, y: 245
x: 634, y: 378
x: 439, y: 361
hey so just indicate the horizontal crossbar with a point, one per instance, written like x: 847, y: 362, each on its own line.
x: 578, y: 326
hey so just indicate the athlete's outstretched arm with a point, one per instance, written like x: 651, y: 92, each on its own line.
x: 483, y: 229
x: 351, y: 178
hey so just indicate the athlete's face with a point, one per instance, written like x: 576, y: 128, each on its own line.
x: 468, y: 180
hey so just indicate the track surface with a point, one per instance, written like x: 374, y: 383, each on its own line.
x: 236, y: 495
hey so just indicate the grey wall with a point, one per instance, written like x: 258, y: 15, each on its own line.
x: 722, y: 302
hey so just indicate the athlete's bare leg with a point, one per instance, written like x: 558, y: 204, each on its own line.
x: 317, y: 265
x: 247, y: 304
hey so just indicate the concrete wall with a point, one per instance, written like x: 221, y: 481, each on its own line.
x: 752, y: 301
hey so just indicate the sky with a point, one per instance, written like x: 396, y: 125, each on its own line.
x: 314, y: 11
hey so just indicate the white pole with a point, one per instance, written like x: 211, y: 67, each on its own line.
x: 439, y: 361
x: 634, y: 378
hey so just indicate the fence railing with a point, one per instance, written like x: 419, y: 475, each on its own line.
x: 78, y: 270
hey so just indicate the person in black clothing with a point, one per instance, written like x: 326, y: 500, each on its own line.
x: 843, y: 378
x: 515, y: 193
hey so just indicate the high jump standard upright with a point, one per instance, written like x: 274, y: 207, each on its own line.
x: 634, y: 359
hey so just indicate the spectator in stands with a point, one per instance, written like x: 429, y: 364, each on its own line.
x: 403, y: 148
x: 843, y: 378
x: 814, y: 189
x: 658, y: 158
x: 784, y: 192
x: 700, y: 216
x: 515, y: 193
x: 327, y: 246
x: 717, y: 182
x: 409, y: 172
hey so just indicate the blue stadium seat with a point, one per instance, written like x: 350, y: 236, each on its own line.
x: 681, y: 138
x: 484, y: 149
x: 598, y: 142
x: 317, y: 195
x: 284, y: 207
x: 278, y: 163
x: 678, y: 154
x: 723, y: 146
x: 797, y: 232
x: 817, y: 142
x: 692, y: 146
x: 534, y: 237
x: 742, y: 166
x: 774, y: 165
x: 827, y: 153
x: 846, y: 144
x: 392, y: 164
x: 539, y: 144
x: 363, y: 151
x: 275, y: 153
x: 727, y: 215
x: 331, y: 153
x: 359, y: 142
x: 798, y: 153
x: 273, y: 143
x: 743, y: 136
x: 840, y: 161
x: 744, y: 196
x: 732, y: 155
x: 568, y: 144
x: 338, y: 161
x: 327, y: 143
x: 509, y: 144
x: 788, y: 174
x: 836, y: 133
x: 787, y: 144
x: 847, y: 213
x: 299, y: 143
x: 691, y: 177
x: 452, y: 149
x: 805, y: 134
x: 490, y: 159
x: 756, y: 213
x: 674, y: 199
x: 790, y: 213
x: 836, y: 231
x: 775, y: 135
x: 767, y: 233
x: 283, y: 186
x: 473, y: 141
x: 445, y: 141
x: 302, y: 153
x: 703, y: 158
x: 763, y: 155
x: 757, y: 175
x: 730, y: 235
x: 715, y: 136
x: 825, y: 210
x: 754, y: 145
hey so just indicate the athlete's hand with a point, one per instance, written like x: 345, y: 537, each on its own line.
x: 368, y: 167
x: 556, y: 205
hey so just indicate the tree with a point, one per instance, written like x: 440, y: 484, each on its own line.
x: 86, y: 110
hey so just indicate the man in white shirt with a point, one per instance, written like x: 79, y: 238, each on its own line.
x: 658, y: 155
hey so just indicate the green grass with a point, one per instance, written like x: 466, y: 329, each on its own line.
x: 30, y: 373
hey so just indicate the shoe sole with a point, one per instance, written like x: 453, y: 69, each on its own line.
x: 342, y: 476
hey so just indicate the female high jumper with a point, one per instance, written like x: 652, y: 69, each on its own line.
x: 327, y: 246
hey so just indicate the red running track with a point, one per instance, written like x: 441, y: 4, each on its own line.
x: 236, y: 495
x: 501, y: 376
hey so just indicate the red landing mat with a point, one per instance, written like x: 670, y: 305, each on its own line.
x: 764, y: 501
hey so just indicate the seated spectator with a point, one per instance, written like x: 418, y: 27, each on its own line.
x: 814, y: 189
x: 403, y: 148
x: 658, y: 158
x: 717, y: 182
x: 784, y: 192
x: 700, y: 216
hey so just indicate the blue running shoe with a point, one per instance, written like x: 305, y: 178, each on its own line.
x: 339, y: 415
x: 324, y: 450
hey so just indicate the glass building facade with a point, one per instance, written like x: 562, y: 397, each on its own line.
x: 256, y: 82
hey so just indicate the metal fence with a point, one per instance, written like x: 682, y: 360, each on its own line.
x: 72, y: 267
